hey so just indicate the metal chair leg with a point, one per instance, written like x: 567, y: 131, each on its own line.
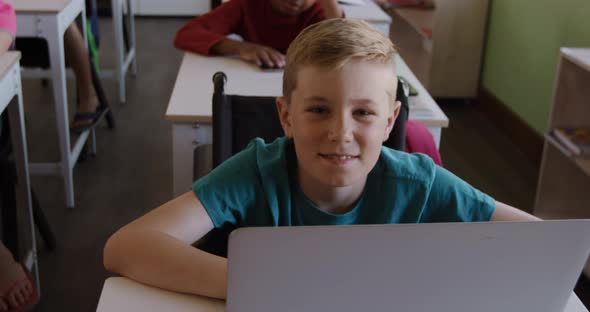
x: 42, y: 224
x: 9, y: 213
x: 125, y: 35
x: 102, y: 99
x: 8, y: 203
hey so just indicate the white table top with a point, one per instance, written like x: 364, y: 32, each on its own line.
x: 122, y: 294
x: 6, y: 61
x: 193, y: 90
x: 369, y: 12
x: 40, y: 6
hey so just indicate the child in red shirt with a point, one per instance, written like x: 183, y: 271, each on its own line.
x: 267, y: 27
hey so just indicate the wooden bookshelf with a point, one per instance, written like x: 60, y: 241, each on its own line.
x: 446, y: 59
x: 419, y: 19
x: 563, y: 190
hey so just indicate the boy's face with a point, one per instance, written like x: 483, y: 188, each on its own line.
x: 338, y: 119
x: 291, y: 7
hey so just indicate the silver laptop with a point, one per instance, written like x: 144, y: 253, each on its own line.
x: 443, y: 267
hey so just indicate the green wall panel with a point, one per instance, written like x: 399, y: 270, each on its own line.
x: 522, y: 47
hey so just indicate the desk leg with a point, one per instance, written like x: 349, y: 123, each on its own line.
x: 23, y: 186
x: 185, y: 138
x: 57, y: 59
x: 117, y: 7
x: 132, y: 42
x: 436, y: 134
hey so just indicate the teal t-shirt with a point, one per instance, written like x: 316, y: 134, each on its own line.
x: 257, y: 187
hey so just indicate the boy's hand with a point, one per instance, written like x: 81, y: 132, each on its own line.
x: 261, y: 55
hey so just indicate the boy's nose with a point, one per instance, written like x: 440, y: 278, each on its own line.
x: 340, y: 129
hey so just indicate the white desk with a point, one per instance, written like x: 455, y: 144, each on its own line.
x: 122, y: 294
x: 371, y: 13
x: 123, y: 59
x: 11, y: 98
x: 49, y: 20
x: 188, y: 8
x: 190, y: 109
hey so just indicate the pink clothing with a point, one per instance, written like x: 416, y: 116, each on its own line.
x: 420, y: 140
x: 7, y: 18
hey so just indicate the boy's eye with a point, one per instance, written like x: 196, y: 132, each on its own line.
x: 317, y: 109
x: 363, y: 112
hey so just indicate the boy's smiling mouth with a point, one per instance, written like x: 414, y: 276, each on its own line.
x: 338, y: 159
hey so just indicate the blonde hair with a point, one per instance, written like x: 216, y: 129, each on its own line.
x: 333, y: 43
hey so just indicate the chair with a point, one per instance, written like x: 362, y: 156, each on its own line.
x: 35, y: 53
x: 125, y: 45
x: 238, y: 119
x: 8, y: 206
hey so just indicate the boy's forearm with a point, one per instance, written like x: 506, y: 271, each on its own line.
x: 504, y: 212
x: 331, y: 8
x: 154, y: 258
x: 226, y: 47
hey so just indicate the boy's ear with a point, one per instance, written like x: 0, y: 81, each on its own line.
x: 284, y: 116
x: 393, y: 113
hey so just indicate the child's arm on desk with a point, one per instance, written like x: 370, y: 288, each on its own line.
x: 202, y: 32
x: 505, y: 212
x: 156, y: 249
x: 250, y: 52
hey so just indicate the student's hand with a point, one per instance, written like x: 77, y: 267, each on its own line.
x: 5, y: 41
x: 261, y: 55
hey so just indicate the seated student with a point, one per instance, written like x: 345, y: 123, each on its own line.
x: 17, y: 290
x: 330, y: 168
x: 267, y: 27
x: 88, y: 110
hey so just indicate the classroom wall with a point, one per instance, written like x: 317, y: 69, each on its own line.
x: 520, y: 57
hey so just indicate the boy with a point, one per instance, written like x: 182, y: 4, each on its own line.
x: 267, y: 27
x: 329, y: 169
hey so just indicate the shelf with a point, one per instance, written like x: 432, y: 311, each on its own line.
x: 564, y: 178
x: 422, y: 20
x: 580, y: 56
x: 564, y: 181
x: 570, y: 101
x: 443, y: 45
x: 410, y: 47
x: 582, y: 162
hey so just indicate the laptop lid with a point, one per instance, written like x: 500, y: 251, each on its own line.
x: 447, y: 267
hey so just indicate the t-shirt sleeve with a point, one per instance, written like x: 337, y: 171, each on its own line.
x: 7, y: 18
x: 231, y: 188
x: 203, y: 32
x: 453, y: 200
